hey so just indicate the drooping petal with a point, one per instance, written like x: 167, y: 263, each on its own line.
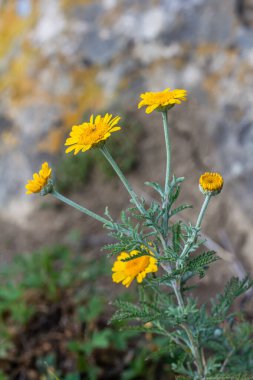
x: 39, y: 180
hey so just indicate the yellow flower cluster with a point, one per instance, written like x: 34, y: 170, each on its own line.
x: 160, y: 101
x: 94, y: 133
x: 39, y: 180
x: 127, y: 271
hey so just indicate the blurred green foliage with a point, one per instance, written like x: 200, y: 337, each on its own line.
x: 53, y: 292
x: 72, y: 172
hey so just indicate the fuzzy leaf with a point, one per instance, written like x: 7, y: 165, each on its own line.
x: 199, y: 263
x: 234, y: 288
x: 169, y: 255
x: 179, y: 209
x: 176, y: 237
x: 174, y: 194
x: 155, y: 186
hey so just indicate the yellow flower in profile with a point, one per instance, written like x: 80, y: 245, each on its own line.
x: 87, y: 135
x: 39, y: 180
x: 127, y: 271
x: 211, y: 183
x: 160, y: 101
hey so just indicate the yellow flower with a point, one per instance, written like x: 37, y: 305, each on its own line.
x: 39, y: 180
x: 87, y: 135
x: 211, y: 183
x: 160, y: 101
x: 127, y: 271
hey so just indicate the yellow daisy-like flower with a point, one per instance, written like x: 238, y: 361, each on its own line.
x: 160, y: 101
x: 39, y: 180
x: 127, y: 271
x: 87, y: 135
x: 211, y: 183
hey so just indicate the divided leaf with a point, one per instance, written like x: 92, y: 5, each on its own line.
x: 199, y: 263
x: 176, y: 237
x: 234, y: 288
x: 155, y: 186
x: 179, y: 209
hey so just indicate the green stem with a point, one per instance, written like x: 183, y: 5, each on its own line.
x: 80, y: 208
x: 197, y: 354
x: 168, y: 152
x: 176, y: 340
x: 202, y: 211
x: 226, y: 360
x: 167, y: 177
x: 114, y: 165
x: 192, y: 238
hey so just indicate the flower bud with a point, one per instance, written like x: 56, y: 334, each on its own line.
x: 210, y: 183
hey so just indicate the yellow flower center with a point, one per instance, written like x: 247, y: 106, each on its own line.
x: 135, y: 266
x: 162, y: 97
x: 87, y: 135
x: 92, y: 133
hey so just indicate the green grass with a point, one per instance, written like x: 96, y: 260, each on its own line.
x: 55, y: 293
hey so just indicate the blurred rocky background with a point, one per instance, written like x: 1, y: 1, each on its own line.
x: 61, y: 60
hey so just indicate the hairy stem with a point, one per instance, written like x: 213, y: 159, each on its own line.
x: 167, y: 176
x: 197, y: 354
x: 202, y: 211
x: 227, y: 360
x: 80, y: 208
x: 114, y: 165
x: 196, y: 351
x: 192, y: 238
x: 174, y: 339
x: 168, y: 151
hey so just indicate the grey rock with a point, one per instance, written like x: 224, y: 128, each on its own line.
x: 37, y: 119
x: 202, y: 45
x: 87, y: 13
x: 199, y: 23
x: 98, y: 49
x: 5, y: 123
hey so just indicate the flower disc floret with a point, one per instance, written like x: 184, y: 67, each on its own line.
x: 40, y: 180
x: 211, y: 183
x: 161, y: 101
x: 87, y: 135
x: 127, y: 271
